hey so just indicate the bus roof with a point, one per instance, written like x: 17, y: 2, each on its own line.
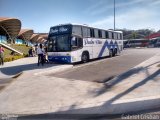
x: 85, y: 25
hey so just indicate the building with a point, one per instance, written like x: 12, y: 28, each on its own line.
x: 9, y: 29
x: 24, y: 36
x: 12, y: 33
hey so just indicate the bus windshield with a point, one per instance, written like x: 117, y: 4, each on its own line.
x: 59, y: 39
x: 60, y: 43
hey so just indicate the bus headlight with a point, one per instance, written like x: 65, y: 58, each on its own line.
x: 73, y: 58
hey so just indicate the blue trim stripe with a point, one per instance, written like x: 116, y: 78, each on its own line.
x: 103, y: 48
x: 109, y: 46
x: 60, y: 59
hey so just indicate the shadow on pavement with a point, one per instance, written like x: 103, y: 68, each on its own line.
x: 17, y: 69
x: 83, y: 113
x: 110, y: 83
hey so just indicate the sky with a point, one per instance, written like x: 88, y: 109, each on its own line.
x: 40, y: 15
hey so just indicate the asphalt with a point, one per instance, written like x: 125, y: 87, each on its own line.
x: 107, y: 68
x: 37, y: 93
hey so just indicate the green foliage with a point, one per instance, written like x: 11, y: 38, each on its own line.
x: 11, y: 58
x: 21, y: 47
x: 25, y: 55
x: 136, y: 34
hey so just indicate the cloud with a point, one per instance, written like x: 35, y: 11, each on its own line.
x: 155, y: 2
x: 95, y: 6
x: 132, y: 19
x: 103, y: 6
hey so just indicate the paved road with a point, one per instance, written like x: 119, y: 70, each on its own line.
x: 104, y: 69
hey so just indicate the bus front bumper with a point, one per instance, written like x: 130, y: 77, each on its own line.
x: 60, y: 59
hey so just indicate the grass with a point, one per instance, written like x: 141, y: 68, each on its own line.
x: 22, y: 48
x: 7, y: 52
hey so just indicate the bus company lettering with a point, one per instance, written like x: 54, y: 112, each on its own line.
x: 98, y: 42
x: 88, y: 41
x: 54, y: 31
x: 92, y: 42
x: 62, y: 29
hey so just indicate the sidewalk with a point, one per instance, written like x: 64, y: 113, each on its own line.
x: 11, y: 70
x: 137, y: 89
x: 28, y: 64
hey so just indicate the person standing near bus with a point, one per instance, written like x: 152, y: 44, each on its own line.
x: 40, y: 52
x: 1, y: 55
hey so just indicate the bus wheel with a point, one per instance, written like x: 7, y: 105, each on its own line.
x: 85, y: 57
x: 115, y: 52
x: 111, y: 53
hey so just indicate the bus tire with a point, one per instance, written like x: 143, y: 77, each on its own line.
x: 110, y: 53
x: 85, y: 57
x: 115, y: 52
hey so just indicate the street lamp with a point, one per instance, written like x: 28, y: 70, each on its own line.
x: 114, y: 14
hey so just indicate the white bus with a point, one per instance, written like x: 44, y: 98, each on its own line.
x: 70, y: 43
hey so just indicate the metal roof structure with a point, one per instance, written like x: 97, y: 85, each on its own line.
x: 25, y: 34
x: 42, y: 37
x: 10, y: 26
x: 41, y: 40
x: 34, y: 37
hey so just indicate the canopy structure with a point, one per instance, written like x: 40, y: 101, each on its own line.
x: 43, y: 40
x: 10, y: 27
x: 42, y: 37
x: 45, y: 35
x: 25, y: 34
x: 34, y: 37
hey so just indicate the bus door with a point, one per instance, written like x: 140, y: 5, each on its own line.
x: 76, y: 47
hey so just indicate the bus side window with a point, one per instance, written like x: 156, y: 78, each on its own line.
x: 80, y: 42
x: 77, y: 30
x: 92, y: 33
x: 88, y: 32
x: 115, y: 36
x: 107, y: 34
x: 121, y: 36
x: 110, y: 35
x: 118, y: 37
x: 85, y: 31
x: 103, y: 34
x: 100, y: 33
x: 96, y: 33
x: 76, y: 43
